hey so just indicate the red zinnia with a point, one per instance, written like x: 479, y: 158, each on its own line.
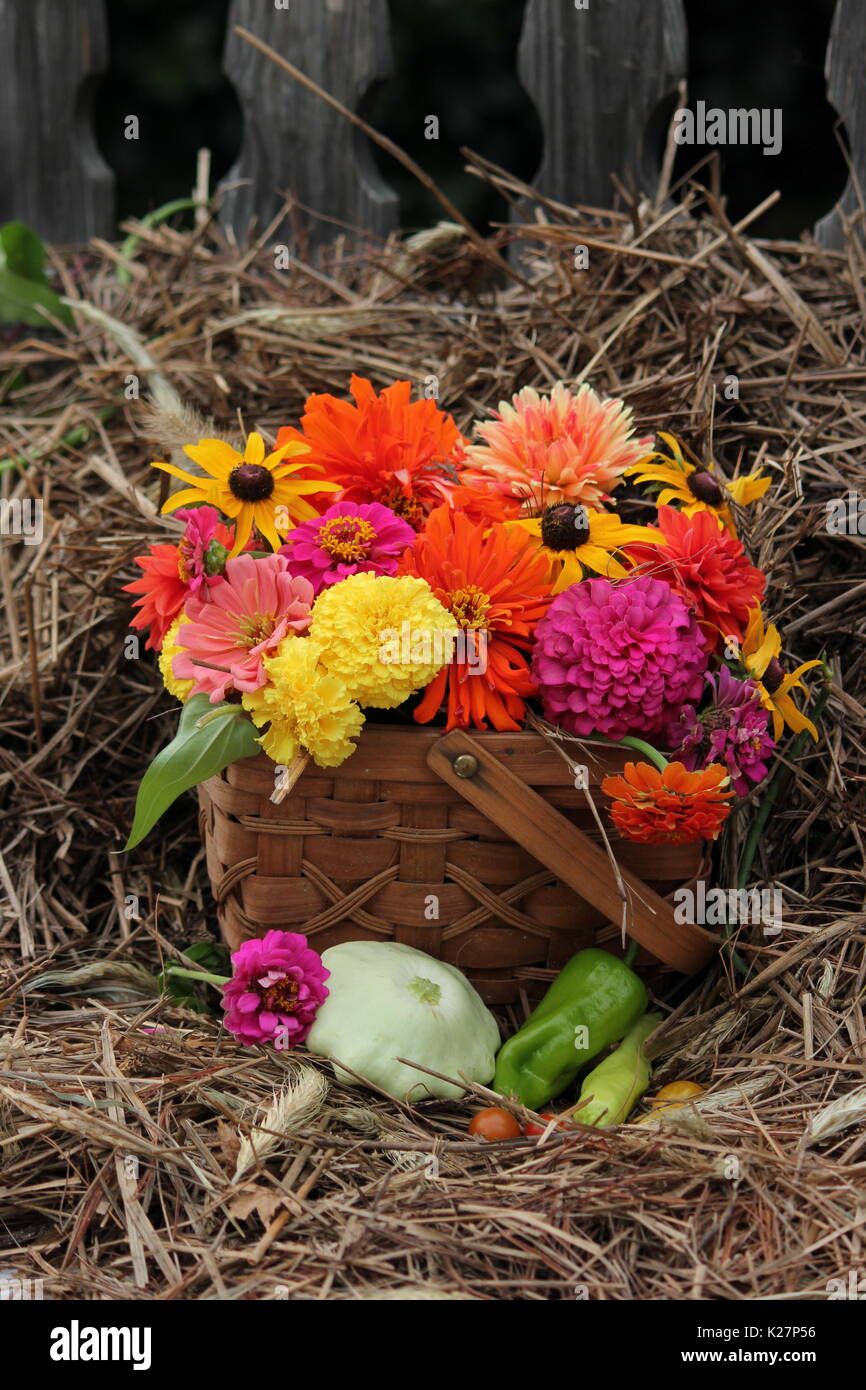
x: 496, y: 586
x: 708, y: 567
x: 162, y: 593
x: 385, y: 448
x: 673, y: 807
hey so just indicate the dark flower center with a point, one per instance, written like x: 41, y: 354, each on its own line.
x: 773, y: 676
x: 250, y: 482
x: 565, y: 527
x: 704, y: 487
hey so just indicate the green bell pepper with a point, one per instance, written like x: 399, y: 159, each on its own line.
x: 592, y: 1003
x: 612, y: 1089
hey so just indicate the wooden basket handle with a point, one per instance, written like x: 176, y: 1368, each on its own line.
x: 545, y: 834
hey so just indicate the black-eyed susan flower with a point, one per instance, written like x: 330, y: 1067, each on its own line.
x: 254, y: 489
x: 693, y: 485
x: 760, y: 656
x: 575, y: 539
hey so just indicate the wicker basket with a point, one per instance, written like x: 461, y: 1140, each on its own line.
x: 384, y: 848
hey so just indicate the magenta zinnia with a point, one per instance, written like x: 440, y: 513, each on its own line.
x: 238, y: 621
x: 617, y: 659
x: 565, y: 447
x: 731, y: 730
x: 203, y: 548
x: 276, y: 989
x: 349, y: 537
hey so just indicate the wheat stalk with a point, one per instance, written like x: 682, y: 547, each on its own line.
x: 292, y: 1108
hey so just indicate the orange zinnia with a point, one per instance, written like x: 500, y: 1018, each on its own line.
x: 385, y: 448
x: 673, y: 807
x: 496, y: 587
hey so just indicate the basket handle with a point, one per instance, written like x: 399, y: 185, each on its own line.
x: 545, y: 834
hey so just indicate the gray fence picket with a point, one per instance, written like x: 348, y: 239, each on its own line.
x: 293, y: 142
x: 53, y: 176
x: 846, y: 89
x: 595, y: 75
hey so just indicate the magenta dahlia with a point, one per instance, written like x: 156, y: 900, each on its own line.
x: 733, y: 729
x: 349, y: 537
x: 276, y: 989
x: 618, y: 658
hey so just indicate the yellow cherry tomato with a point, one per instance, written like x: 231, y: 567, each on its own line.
x: 677, y: 1092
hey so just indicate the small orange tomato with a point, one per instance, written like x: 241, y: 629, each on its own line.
x: 676, y: 1092
x: 494, y: 1124
x: 539, y: 1129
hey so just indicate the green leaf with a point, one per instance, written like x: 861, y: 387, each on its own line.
x: 22, y: 252
x: 208, y: 739
x: 20, y: 301
x: 23, y: 284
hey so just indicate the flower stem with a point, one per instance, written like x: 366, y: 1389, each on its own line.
x: 647, y: 749
x: 779, y: 779
x: 202, y: 977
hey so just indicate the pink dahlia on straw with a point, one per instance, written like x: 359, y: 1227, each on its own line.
x: 731, y: 730
x: 276, y: 989
x: 618, y: 658
x: 349, y: 537
x: 565, y: 447
x: 232, y: 625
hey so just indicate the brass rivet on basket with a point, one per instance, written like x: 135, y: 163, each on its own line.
x: 465, y: 765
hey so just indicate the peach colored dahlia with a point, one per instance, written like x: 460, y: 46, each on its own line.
x: 566, y: 447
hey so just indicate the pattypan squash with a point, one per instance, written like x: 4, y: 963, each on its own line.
x: 386, y: 1000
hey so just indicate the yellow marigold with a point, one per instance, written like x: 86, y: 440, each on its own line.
x: 385, y: 638
x: 306, y: 707
x: 171, y: 648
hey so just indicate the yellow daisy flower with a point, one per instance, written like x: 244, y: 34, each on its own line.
x: 759, y: 654
x: 252, y: 489
x: 695, y: 487
x: 575, y: 538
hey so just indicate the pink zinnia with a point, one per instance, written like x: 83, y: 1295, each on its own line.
x: 565, y: 447
x: 349, y: 537
x: 618, y: 658
x: 276, y: 989
x: 235, y: 623
x: 203, y: 548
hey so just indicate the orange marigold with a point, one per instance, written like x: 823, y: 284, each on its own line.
x: 673, y: 807
x: 385, y: 448
x: 495, y: 584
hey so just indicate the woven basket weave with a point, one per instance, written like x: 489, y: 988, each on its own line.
x: 383, y: 849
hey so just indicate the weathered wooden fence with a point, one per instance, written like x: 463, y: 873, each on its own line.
x: 595, y: 69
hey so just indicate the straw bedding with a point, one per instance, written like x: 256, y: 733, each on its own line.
x: 173, y: 1164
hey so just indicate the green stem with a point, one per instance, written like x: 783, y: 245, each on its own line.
x: 200, y: 976
x: 647, y: 749
x: 779, y: 780
x: 151, y: 219
x: 631, y: 951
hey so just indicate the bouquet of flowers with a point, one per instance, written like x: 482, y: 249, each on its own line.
x: 375, y: 559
